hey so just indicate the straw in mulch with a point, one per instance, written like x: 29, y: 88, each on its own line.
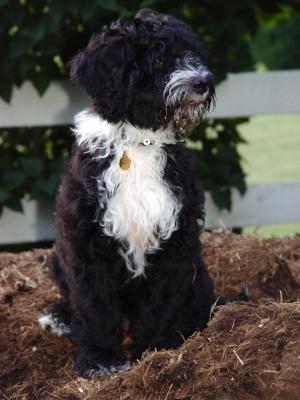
x: 270, y: 267
x: 249, y: 351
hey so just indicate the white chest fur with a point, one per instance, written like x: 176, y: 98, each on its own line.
x: 140, y: 208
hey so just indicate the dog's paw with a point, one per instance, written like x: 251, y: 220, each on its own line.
x: 52, y: 324
x: 105, y: 371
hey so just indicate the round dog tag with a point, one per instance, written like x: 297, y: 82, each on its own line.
x: 146, y: 142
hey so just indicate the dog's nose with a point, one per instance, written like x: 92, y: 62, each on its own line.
x: 201, y: 84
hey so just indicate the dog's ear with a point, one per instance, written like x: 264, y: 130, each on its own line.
x: 84, y: 70
x: 110, y: 50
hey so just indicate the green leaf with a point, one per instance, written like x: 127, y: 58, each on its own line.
x: 227, y: 154
x: 18, y: 46
x: 32, y: 166
x: 58, y: 8
x: 12, y: 179
x: 76, y: 8
x: 87, y: 10
x: 56, y: 166
x: 238, y: 181
x: 147, y: 3
x: 3, y: 196
x: 48, y: 185
x: 222, y: 198
x: 37, y: 194
x: 113, y: 5
x: 6, y: 90
x: 41, y: 83
x: 3, y: 2
x: 34, y: 32
x: 14, y: 204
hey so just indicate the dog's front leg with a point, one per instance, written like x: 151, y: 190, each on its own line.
x: 176, y: 300
x: 97, y: 325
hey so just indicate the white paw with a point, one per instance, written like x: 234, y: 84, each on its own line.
x: 52, y: 324
x: 104, y: 371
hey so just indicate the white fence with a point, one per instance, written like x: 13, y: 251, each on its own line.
x: 244, y: 94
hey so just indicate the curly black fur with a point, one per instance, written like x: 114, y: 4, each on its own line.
x: 125, y: 70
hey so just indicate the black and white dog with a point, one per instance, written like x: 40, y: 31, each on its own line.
x: 128, y: 257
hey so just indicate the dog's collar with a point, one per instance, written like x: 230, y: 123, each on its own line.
x: 145, y: 142
x: 149, y: 141
x: 101, y: 138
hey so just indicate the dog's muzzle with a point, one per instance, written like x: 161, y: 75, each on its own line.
x: 189, y: 94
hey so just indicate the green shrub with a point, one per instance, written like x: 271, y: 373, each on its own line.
x: 284, y: 34
x: 31, y: 161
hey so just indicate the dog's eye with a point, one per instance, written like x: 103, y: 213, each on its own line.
x: 159, y: 62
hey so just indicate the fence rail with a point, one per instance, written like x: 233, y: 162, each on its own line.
x: 240, y: 95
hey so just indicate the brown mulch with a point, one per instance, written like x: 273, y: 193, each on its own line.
x: 250, y: 350
x: 269, y: 267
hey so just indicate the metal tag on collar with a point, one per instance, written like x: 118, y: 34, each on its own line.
x: 146, y: 142
x: 123, y: 134
x: 125, y: 161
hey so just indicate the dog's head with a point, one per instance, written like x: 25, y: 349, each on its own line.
x: 149, y: 71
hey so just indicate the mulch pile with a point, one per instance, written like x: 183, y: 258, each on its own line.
x: 250, y: 350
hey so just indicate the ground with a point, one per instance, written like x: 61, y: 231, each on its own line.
x: 250, y: 350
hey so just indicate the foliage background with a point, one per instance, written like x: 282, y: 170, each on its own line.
x: 38, y: 38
